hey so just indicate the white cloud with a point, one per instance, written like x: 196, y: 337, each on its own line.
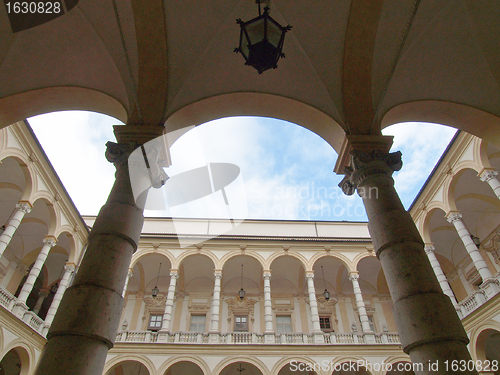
x: 74, y: 142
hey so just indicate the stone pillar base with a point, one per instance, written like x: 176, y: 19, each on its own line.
x: 163, y: 336
x: 369, y: 338
x: 490, y: 288
x: 319, y: 338
x: 19, y: 309
x: 269, y: 338
x: 214, y: 337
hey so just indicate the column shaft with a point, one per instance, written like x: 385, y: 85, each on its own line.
x: 470, y: 246
x: 491, y: 178
x: 129, y: 275
x: 313, y: 303
x: 443, y: 282
x: 49, y: 243
x: 86, y: 323
x: 214, y: 320
x: 363, y: 316
x: 428, y: 325
x: 167, y: 316
x: 268, y: 309
x: 63, y: 285
x: 22, y: 209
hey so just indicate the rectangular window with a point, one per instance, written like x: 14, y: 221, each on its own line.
x: 325, y: 324
x: 155, y: 321
x: 241, y: 323
x: 284, y: 324
x: 197, y: 323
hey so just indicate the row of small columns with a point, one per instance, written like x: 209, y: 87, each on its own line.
x: 268, y: 316
x: 456, y: 218
x: 23, y: 208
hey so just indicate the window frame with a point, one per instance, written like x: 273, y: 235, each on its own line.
x: 198, y: 323
x: 150, y: 320
x: 246, y: 328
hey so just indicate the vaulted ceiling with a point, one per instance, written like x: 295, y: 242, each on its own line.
x: 351, y: 66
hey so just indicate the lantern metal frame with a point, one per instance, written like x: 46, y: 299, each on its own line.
x: 155, y: 290
x: 242, y: 292
x: 326, y: 293
x: 261, y: 54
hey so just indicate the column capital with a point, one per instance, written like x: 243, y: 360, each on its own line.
x: 310, y: 275
x: 118, y: 153
x: 218, y: 274
x: 24, y: 206
x: 69, y: 267
x: 267, y: 274
x: 138, y: 133
x: 130, y: 272
x: 429, y: 249
x: 453, y: 216
x: 488, y: 175
x: 364, y: 165
x: 174, y: 274
x: 49, y: 241
x: 354, y: 275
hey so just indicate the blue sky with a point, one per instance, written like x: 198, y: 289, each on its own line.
x: 286, y: 171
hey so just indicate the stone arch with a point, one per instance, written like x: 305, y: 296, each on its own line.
x: 280, y: 254
x: 188, y: 253
x: 339, y: 361
x: 285, y: 361
x: 72, y: 242
x: 258, y: 104
x: 451, y: 185
x: 426, y: 234
x: 51, y: 99
x: 118, y: 360
x: 26, y: 168
x: 235, y: 253
x: 185, y: 358
x: 245, y: 359
x: 47, y: 199
x: 151, y: 250
x: 25, y: 353
x: 479, y: 336
x: 359, y: 257
x: 343, y: 259
x: 460, y: 116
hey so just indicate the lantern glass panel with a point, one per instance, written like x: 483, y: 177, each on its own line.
x: 273, y: 33
x: 244, y: 45
x: 255, y: 30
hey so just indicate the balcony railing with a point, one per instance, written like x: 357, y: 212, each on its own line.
x: 236, y: 338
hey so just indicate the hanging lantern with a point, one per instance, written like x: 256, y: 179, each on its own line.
x: 241, y: 293
x: 261, y: 41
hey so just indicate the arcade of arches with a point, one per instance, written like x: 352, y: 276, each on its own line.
x: 352, y: 68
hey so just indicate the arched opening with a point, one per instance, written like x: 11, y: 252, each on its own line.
x: 401, y: 368
x: 128, y: 368
x: 349, y: 368
x: 15, y: 362
x: 488, y: 348
x: 299, y: 368
x: 240, y: 368
x: 184, y: 367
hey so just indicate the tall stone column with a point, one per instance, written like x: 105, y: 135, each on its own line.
x: 69, y: 268
x: 86, y: 323
x: 268, y: 308
x: 445, y: 286
x: 490, y: 177
x: 313, y: 305
x: 428, y: 325
x: 215, y: 309
x: 48, y: 243
x: 456, y: 219
x: 169, y: 304
x: 129, y: 275
x: 22, y: 208
x: 363, y: 316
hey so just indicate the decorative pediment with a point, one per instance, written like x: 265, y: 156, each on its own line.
x: 154, y: 304
x: 324, y: 305
x: 238, y: 306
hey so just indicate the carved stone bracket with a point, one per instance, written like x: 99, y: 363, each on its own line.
x: 368, y: 164
x: 237, y: 306
x: 118, y: 153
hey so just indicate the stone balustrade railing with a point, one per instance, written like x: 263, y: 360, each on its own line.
x: 487, y: 290
x: 386, y: 338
